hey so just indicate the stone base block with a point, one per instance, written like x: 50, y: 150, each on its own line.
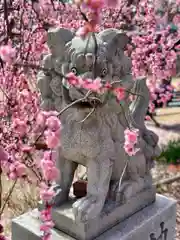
x: 112, y: 214
x: 154, y: 222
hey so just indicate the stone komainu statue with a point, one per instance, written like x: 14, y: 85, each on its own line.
x: 97, y: 142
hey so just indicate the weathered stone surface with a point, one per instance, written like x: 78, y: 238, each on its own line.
x: 143, y: 225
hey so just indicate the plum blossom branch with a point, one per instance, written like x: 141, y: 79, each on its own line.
x: 122, y: 175
x: 8, y: 197
x: 88, y: 115
x: 73, y: 103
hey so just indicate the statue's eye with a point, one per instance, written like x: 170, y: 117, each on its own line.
x: 74, y: 70
x: 103, y: 72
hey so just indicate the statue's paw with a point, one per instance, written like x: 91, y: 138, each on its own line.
x: 117, y: 191
x: 127, y: 193
x: 59, y: 197
x: 120, y: 194
x: 87, y: 208
x: 148, y: 182
x: 113, y: 189
x: 129, y: 189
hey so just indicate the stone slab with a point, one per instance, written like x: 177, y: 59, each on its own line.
x: 174, y: 104
x: 175, y: 99
x: 112, y: 214
x: 143, y: 225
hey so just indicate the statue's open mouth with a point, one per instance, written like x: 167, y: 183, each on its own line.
x: 83, y: 101
x: 89, y: 103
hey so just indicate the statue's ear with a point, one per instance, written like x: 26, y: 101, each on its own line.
x: 119, y: 41
x: 114, y: 38
x: 57, y: 39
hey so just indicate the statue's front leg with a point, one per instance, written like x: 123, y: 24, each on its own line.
x: 62, y: 186
x: 99, y: 175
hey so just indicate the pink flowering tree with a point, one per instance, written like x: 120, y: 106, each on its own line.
x: 28, y: 136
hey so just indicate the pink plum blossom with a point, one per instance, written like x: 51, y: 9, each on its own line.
x: 20, y: 169
x: 131, y: 138
x: 119, y: 93
x: 131, y: 135
x: 3, y: 154
x: 3, y: 237
x: 19, y: 126
x: 53, y: 123
x: 52, y: 140
x: 46, y: 236
x: 27, y: 148
x: 47, y: 194
x: 147, y: 118
x: 16, y: 170
x: 41, y: 119
x: 94, y: 86
x: 45, y: 215
x: 50, y: 172
x: 82, y: 32
x: 130, y: 150
x: 46, y: 226
x: 47, y: 155
x: 112, y: 3
x: 7, y: 53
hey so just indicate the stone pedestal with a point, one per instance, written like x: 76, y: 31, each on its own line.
x: 154, y: 222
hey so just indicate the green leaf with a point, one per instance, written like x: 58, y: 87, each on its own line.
x: 171, y: 152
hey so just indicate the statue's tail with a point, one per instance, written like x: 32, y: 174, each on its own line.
x: 139, y: 106
x: 137, y: 114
